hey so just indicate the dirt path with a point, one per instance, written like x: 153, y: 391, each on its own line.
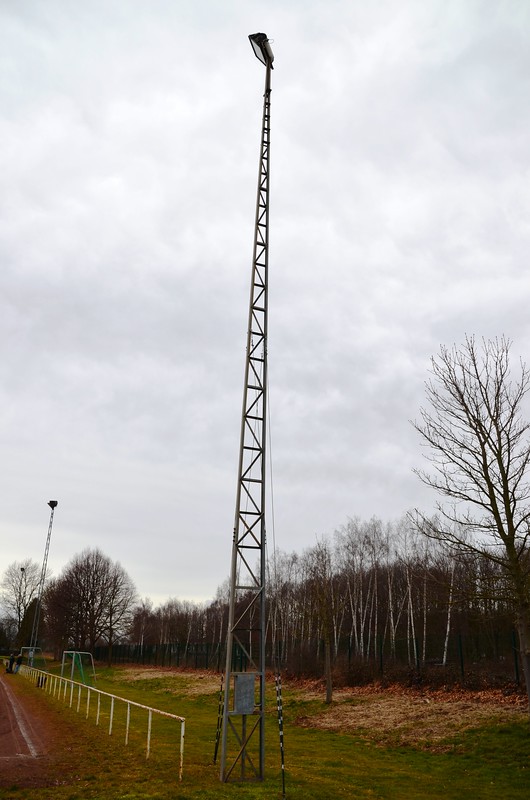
x: 17, y: 735
x: 26, y: 737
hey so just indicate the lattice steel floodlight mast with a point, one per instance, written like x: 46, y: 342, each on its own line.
x: 36, y: 618
x: 243, y: 724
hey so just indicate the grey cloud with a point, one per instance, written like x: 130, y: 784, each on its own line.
x: 399, y: 213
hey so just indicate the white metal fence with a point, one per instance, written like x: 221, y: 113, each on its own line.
x: 72, y: 692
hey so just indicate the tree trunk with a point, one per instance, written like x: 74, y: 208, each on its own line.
x: 449, y: 610
x: 424, y: 644
x: 327, y: 659
x: 523, y: 630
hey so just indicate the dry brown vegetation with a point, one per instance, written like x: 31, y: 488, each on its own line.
x: 190, y: 683
x: 421, y: 718
x: 397, y: 715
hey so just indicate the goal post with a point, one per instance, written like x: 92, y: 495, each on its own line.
x: 81, y: 666
x: 33, y: 657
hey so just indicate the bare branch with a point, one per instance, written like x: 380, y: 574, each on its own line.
x: 478, y: 446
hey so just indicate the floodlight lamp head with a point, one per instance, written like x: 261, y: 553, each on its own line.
x: 53, y: 503
x: 262, y: 49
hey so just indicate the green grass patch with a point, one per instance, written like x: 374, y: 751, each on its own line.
x: 488, y: 761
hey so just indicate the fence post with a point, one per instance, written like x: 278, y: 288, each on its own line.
x: 52, y: 681
x: 149, y: 722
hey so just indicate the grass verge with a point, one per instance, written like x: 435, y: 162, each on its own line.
x: 488, y: 760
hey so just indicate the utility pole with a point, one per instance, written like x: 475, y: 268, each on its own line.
x: 243, y: 721
x: 36, y: 618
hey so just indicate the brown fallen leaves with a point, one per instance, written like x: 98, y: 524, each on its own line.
x: 415, y: 717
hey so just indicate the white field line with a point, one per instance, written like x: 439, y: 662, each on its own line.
x: 18, y: 716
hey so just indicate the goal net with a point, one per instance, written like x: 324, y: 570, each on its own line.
x: 78, y: 666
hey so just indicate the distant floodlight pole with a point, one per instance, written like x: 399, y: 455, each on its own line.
x: 243, y: 724
x: 36, y: 618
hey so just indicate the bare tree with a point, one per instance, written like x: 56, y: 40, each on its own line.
x: 283, y: 601
x: 18, y: 588
x: 91, y: 602
x: 143, y: 623
x: 120, y: 597
x: 321, y: 576
x: 478, y: 444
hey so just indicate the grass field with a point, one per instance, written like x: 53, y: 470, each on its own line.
x: 365, y: 746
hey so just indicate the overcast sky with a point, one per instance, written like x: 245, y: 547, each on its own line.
x: 129, y: 146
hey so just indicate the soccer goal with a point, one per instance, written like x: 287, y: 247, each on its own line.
x: 80, y: 665
x: 33, y: 657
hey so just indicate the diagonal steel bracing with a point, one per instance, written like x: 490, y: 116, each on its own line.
x: 243, y: 743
